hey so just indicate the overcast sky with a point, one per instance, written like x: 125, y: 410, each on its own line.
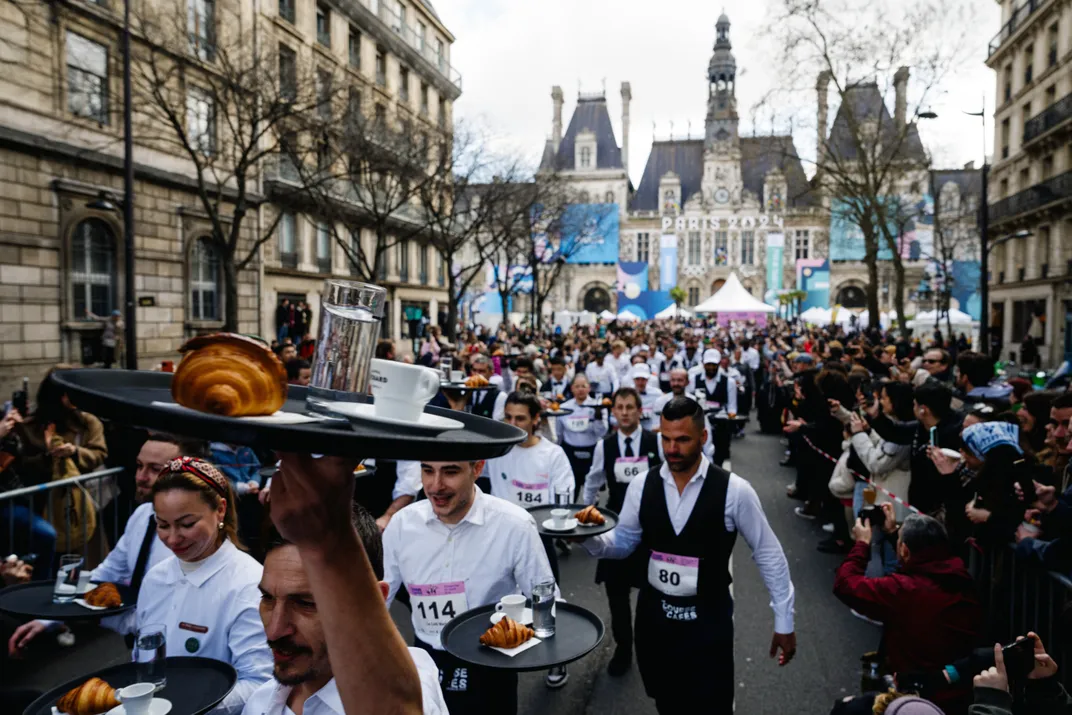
x: 510, y: 53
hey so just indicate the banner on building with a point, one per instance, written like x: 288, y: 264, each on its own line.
x: 667, y: 261
x: 588, y: 233
x: 813, y: 277
x: 911, y: 226
x: 775, y: 256
x: 965, y: 291
x: 632, y: 278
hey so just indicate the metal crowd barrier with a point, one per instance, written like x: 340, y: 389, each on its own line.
x: 1019, y: 597
x: 36, y: 507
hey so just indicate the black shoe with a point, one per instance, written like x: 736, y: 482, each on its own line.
x: 621, y: 661
x: 833, y: 546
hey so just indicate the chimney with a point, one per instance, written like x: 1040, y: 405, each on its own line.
x: 556, y: 124
x: 900, y: 85
x: 970, y: 166
x: 820, y: 87
x: 627, y: 96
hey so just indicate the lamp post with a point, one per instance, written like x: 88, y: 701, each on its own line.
x: 984, y: 251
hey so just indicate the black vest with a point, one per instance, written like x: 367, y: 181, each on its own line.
x: 486, y: 406
x: 721, y: 395
x: 704, y: 536
x: 649, y: 446
x: 566, y: 392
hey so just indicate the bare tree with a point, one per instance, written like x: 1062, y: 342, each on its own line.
x: 222, y: 101
x: 956, y: 238
x: 870, y: 159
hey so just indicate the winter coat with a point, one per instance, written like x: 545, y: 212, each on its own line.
x: 888, y: 463
x: 1043, y: 697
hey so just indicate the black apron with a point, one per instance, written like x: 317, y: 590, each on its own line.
x: 473, y: 689
x: 684, y: 644
x: 485, y: 404
x: 629, y: 571
x: 580, y: 459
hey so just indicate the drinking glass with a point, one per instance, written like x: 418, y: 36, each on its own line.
x: 350, y: 315
x: 446, y: 364
x: 150, y: 652
x: 66, y: 588
x: 543, y: 605
x: 562, y: 496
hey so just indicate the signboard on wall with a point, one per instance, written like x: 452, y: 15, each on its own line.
x: 775, y: 254
x: 667, y: 261
x: 813, y: 277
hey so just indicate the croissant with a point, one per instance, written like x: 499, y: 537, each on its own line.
x: 477, y: 381
x: 590, y: 515
x: 507, y: 633
x: 231, y: 375
x: 90, y: 698
x: 106, y: 595
x: 555, y: 406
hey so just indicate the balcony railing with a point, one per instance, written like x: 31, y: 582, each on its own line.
x: 288, y: 260
x: 1053, y: 116
x: 1019, y: 17
x: 1047, y: 192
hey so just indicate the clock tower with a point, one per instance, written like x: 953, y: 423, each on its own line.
x: 722, y: 146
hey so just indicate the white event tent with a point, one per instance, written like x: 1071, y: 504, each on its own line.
x: 673, y: 311
x: 627, y: 316
x: 607, y: 315
x: 733, y: 302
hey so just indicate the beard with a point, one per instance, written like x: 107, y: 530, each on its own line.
x: 291, y: 678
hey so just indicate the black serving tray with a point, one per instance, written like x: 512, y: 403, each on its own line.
x: 34, y: 600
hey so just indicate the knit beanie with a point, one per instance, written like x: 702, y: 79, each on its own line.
x: 913, y: 706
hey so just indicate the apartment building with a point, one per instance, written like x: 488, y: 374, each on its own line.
x: 1030, y: 188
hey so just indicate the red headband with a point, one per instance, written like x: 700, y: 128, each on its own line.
x: 202, y: 470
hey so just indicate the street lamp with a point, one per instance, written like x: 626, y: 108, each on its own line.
x: 984, y: 251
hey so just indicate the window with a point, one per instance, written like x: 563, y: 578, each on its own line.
x: 204, y: 281
x: 288, y: 73
x: 1025, y: 179
x: 424, y: 98
x: 323, y: 247
x: 288, y: 156
x: 353, y: 104
x: 1024, y: 313
x: 381, y: 266
x: 1025, y: 115
x: 1029, y: 67
x: 802, y: 245
x: 586, y: 157
x: 748, y: 248
x: 87, y: 78
x: 286, y: 10
x: 722, y: 248
x: 323, y: 25
x: 403, y: 85
x: 1044, y: 250
x: 92, y: 268
x: 422, y: 29
x: 441, y: 114
x: 201, y: 120
x: 1004, y: 187
x: 356, y: 252
x: 441, y: 57
x: 584, y: 197
x: 1007, y: 83
x: 200, y: 25
x: 401, y: 16
x: 323, y: 95
x: 1051, y: 57
x: 694, y: 296
x: 288, y: 241
x: 441, y: 272
x: 1051, y: 95
x: 354, y: 48
x: 643, y: 247
x: 1047, y: 167
x: 381, y: 116
x: 1005, y: 138
x: 608, y: 198
x: 422, y: 267
x: 381, y: 67
x: 694, y: 249
x: 403, y: 261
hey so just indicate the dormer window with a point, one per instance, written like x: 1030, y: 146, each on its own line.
x: 586, y: 157
x: 584, y: 151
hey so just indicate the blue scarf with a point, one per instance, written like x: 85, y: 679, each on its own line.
x: 982, y: 437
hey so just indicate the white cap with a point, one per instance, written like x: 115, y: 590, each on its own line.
x: 711, y: 357
x: 641, y: 370
x: 643, y: 348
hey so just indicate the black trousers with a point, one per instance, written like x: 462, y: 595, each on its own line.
x: 473, y: 689
x: 580, y: 466
x: 552, y: 555
x: 621, y: 612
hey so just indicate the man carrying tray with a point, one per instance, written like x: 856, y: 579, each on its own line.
x: 683, y: 518
x: 458, y: 550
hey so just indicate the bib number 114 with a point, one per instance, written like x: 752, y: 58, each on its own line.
x: 434, y: 612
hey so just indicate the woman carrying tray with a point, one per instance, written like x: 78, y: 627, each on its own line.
x: 578, y: 433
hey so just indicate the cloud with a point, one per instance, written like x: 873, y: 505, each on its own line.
x: 510, y: 53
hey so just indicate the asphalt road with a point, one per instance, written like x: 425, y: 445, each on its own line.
x: 829, y: 639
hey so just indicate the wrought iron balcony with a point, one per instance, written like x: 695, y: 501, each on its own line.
x: 1016, y: 21
x: 1051, y: 117
x: 1050, y: 191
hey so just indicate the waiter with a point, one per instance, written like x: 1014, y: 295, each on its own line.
x: 488, y: 402
x: 557, y: 387
x: 683, y: 518
x: 649, y: 394
x: 579, y: 432
x: 461, y: 549
x: 628, y: 453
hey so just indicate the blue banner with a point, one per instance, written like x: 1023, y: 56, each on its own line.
x: 589, y: 233
x: 645, y: 305
x: 775, y: 256
x: 911, y: 225
x: 813, y: 277
x: 667, y: 262
x: 966, y: 287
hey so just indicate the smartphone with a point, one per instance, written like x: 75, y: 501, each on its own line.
x: 934, y: 436
x: 1019, y: 658
x: 1027, y: 487
x: 20, y: 398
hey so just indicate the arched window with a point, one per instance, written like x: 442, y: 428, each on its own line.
x: 609, y: 198
x: 204, y: 281
x: 93, y: 270
x: 586, y: 157
x: 584, y: 198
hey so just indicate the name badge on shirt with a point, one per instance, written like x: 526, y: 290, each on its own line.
x: 530, y: 493
x: 577, y: 424
x: 626, y: 469
x: 673, y: 575
x: 193, y: 627
x: 434, y: 605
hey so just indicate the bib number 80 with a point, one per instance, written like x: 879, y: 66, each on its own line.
x: 672, y: 578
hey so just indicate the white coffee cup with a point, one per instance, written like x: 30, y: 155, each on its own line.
x: 136, y: 698
x: 402, y: 390
x: 559, y: 517
x: 457, y: 376
x: 513, y: 606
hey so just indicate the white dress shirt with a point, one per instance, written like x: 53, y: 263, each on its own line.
x: 623, y: 364
x: 212, y: 612
x: 597, y: 477
x: 648, y: 398
x: 271, y: 698
x: 569, y: 427
x: 604, y: 378
x: 494, y: 551
x: 555, y: 387
x: 118, y: 566
x: 744, y: 514
x: 407, y: 479
x: 751, y: 358
x: 530, y: 476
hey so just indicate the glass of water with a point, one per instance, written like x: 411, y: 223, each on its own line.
x: 543, y: 609
x: 150, y: 652
x: 350, y: 315
x: 70, y: 570
x: 562, y: 496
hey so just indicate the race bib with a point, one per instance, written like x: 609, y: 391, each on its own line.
x: 712, y: 405
x: 647, y: 414
x: 434, y: 605
x: 530, y: 494
x: 626, y: 469
x: 664, y: 377
x: 673, y: 575
x: 577, y: 424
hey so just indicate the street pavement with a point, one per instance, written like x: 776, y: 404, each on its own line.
x: 829, y: 639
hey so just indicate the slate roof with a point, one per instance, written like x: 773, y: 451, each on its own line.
x: 865, y: 103
x: 758, y: 156
x: 589, y: 115
x: 429, y: 8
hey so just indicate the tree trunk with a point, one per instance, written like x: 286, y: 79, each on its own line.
x: 504, y: 297
x: 898, y: 295
x: 871, y: 261
x: 452, y: 306
x: 230, y: 288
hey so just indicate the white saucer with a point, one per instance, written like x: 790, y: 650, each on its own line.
x: 366, y: 412
x: 159, y: 706
x: 549, y: 524
x: 526, y: 617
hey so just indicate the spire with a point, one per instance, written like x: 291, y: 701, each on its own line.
x: 722, y: 70
x: 721, y: 123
